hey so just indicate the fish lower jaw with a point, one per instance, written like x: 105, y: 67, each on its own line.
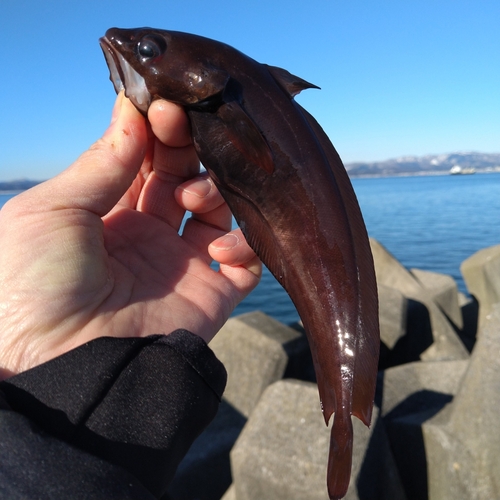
x: 124, y: 77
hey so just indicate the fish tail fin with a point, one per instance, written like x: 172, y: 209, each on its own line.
x: 340, y: 458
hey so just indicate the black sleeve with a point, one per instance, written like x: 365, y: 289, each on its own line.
x: 110, y: 419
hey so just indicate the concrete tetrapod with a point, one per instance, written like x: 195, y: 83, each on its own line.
x: 462, y: 441
x: 481, y: 273
x: 282, y: 451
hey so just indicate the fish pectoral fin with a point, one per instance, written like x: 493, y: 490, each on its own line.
x: 261, y: 237
x: 245, y: 136
x: 290, y: 83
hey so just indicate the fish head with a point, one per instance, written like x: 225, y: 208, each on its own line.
x: 150, y: 64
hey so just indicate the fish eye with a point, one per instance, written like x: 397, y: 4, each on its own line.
x: 150, y: 47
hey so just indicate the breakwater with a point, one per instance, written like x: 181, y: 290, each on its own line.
x: 434, y: 434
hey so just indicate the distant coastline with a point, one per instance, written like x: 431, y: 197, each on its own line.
x: 433, y: 173
x: 404, y: 166
x: 17, y: 186
x: 426, y: 165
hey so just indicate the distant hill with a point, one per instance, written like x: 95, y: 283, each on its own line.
x: 19, y: 185
x: 425, y: 165
x: 404, y: 165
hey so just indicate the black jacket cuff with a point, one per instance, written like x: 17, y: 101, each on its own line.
x: 138, y: 403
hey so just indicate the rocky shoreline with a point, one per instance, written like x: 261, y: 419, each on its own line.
x: 434, y: 433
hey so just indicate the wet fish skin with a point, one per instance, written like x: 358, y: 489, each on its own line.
x: 290, y: 194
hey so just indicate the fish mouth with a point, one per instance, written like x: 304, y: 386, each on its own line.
x: 124, y: 77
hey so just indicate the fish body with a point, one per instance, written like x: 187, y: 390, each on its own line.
x: 289, y: 192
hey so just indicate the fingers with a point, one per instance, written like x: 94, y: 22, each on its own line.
x: 174, y: 161
x: 101, y: 176
x: 175, y: 166
x: 238, y: 264
x: 157, y: 197
x: 169, y: 123
x: 199, y: 194
x: 232, y: 250
x: 202, y: 229
x: 211, y: 216
x: 209, y: 228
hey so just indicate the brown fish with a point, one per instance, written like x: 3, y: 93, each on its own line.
x: 290, y: 194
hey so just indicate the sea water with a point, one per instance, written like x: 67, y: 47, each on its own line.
x: 432, y: 223
x: 427, y: 222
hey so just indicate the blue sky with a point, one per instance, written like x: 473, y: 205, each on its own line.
x: 397, y: 78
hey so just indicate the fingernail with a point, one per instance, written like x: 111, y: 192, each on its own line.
x: 200, y: 188
x: 227, y: 242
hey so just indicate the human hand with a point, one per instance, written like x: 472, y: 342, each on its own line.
x: 96, y: 251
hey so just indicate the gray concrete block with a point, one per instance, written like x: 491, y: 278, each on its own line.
x: 462, y: 441
x: 282, y: 452
x: 463, y: 299
x: 392, y: 314
x: 401, y: 382
x: 481, y: 273
x: 409, y: 395
x: 252, y: 347
x: 300, y: 363
x: 255, y: 350
x: 390, y: 271
x: 445, y: 344
x: 444, y: 291
x: 205, y: 471
x: 470, y: 315
x: 230, y: 494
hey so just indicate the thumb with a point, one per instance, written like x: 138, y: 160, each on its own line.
x: 101, y: 175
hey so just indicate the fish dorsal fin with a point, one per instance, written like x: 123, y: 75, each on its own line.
x: 290, y: 83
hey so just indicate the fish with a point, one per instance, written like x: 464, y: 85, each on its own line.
x: 288, y: 191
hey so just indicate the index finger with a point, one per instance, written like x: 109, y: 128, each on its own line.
x: 170, y: 123
x: 174, y: 162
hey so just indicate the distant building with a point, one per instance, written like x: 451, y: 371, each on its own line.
x: 458, y: 170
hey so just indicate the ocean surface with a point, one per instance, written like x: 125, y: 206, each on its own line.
x: 427, y: 222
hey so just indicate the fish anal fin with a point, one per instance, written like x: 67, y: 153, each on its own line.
x: 245, y: 136
x: 340, y: 457
x: 292, y: 84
